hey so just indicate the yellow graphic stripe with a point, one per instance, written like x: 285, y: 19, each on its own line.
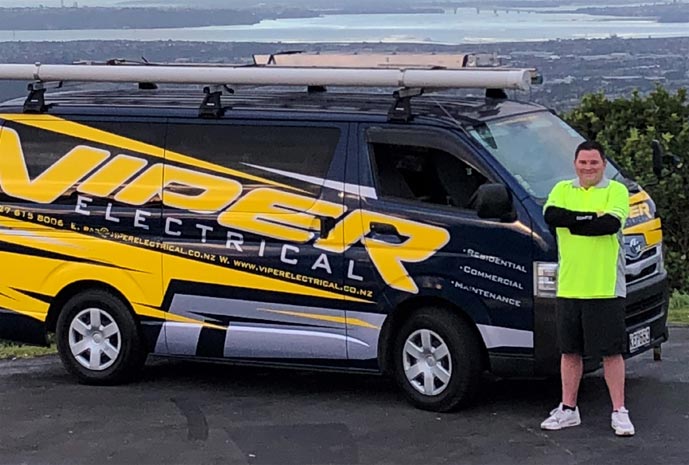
x: 70, y: 128
x: 23, y: 304
x: 639, y: 197
x: 146, y: 310
x: 50, y: 276
x: 650, y: 229
x: 335, y: 319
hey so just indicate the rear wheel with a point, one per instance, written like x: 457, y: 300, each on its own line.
x: 98, y: 339
x: 437, y: 360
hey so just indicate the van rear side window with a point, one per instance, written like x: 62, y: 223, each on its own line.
x: 285, y: 154
x: 424, y: 174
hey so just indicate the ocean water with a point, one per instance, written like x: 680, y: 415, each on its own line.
x: 467, y: 25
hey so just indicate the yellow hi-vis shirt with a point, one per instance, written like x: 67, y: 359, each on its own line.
x: 591, y: 267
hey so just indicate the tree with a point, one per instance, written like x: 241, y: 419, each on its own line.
x: 626, y: 128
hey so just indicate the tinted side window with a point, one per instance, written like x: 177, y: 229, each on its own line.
x: 280, y: 153
x: 424, y: 174
x: 45, y: 176
x: 43, y: 146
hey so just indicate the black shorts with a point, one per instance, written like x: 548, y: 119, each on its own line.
x: 591, y: 327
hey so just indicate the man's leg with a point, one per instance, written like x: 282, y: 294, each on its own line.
x: 570, y: 339
x: 614, y: 377
x: 569, y: 335
x: 613, y: 367
x: 567, y: 413
x: 606, y: 327
x: 572, y: 369
x: 605, y: 333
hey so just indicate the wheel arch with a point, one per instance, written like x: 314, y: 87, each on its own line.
x: 404, y: 310
x: 76, y: 288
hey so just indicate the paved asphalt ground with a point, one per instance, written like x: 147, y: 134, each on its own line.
x: 182, y: 413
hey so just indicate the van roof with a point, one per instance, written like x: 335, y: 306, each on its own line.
x: 339, y: 104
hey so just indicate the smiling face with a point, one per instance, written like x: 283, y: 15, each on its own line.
x: 590, y: 167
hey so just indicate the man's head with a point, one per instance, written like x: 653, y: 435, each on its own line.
x: 589, y: 163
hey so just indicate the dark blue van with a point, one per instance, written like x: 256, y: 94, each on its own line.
x: 307, y: 229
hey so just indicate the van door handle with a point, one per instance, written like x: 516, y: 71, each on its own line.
x: 327, y: 224
x: 384, y: 229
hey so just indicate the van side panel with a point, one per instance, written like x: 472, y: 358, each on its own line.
x: 62, y: 219
x: 246, y: 280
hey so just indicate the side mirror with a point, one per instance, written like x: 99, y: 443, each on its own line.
x: 494, y: 201
x: 660, y: 159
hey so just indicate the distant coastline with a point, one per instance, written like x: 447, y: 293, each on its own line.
x: 666, y: 13
x: 129, y: 17
x: 49, y: 19
x: 92, y: 18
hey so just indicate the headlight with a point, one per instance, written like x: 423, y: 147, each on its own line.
x: 545, y: 279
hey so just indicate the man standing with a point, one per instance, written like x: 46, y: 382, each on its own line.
x: 588, y: 214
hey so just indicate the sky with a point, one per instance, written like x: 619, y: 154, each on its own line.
x: 204, y: 3
x: 292, y: 3
x: 197, y: 3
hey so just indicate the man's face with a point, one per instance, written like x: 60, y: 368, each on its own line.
x: 589, y: 166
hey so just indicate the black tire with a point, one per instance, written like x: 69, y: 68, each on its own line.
x: 464, y: 358
x: 126, y: 361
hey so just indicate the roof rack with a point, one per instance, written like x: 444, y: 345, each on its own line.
x: 404, y: 72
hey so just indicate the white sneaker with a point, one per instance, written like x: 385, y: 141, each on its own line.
x: 621, y: 423
x: 560, y: 418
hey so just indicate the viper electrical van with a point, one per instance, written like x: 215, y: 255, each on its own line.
x: 319, y: 229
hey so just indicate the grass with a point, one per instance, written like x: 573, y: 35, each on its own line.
x: 679, y: 314
x: 13, y: 350
x: 679, y: 308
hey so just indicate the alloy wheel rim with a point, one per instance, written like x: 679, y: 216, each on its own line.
x: 427, y: 362
x: 95, y: 339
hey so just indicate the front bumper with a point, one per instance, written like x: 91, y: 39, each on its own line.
x: 647, y: 305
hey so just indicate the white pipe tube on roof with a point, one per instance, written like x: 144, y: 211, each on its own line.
x: 20, y: 72
x: 365, y: 77
x: 470, y: 78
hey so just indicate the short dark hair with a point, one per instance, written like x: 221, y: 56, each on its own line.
x: 590, y: 145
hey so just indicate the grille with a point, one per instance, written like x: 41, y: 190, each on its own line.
x: 645, y: 273
x: 645, y: 309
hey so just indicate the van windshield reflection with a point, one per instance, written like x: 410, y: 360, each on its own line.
x: 537, y: 148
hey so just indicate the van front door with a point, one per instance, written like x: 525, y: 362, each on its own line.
x: 422, y: 236
x: 244, y: 203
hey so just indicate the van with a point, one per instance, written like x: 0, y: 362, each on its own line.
x: 327, y: 230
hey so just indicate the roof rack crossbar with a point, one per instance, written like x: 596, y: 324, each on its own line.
x: 35, y: 101
x: 400, y: 111
x: 211, y: 107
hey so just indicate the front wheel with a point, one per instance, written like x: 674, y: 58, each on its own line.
x: 98, y: 339
x: 438, y: 360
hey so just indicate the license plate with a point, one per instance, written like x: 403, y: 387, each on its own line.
x: 639, y: 338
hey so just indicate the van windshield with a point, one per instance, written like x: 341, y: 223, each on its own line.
x: 537, y: 148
